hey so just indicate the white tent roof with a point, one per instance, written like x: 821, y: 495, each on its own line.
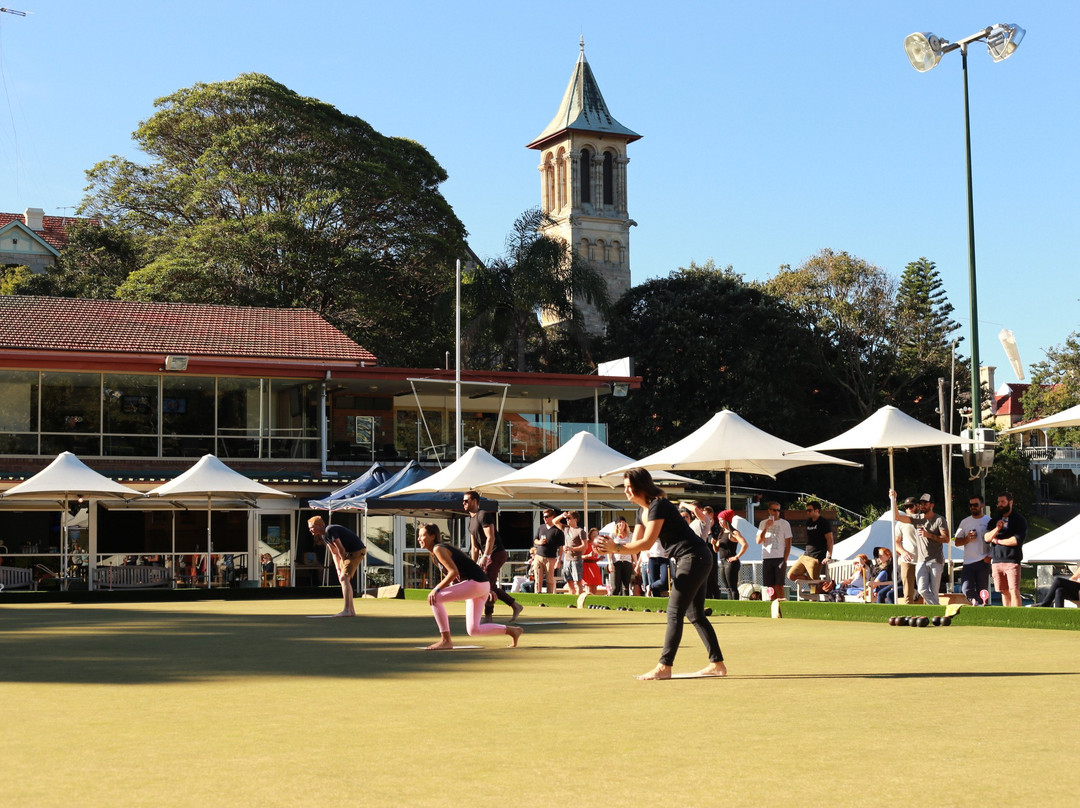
x: 1060, y: 544
x: 472, y: 470
x: 211, y: 477
x: 727, y: 442
x: 878, y: 534
x: 582, y: 460
x: 1069, y: 417
x: 67, y: 477
x: 889, y: 428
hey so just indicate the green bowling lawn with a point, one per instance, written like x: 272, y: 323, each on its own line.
x: 254, y: 703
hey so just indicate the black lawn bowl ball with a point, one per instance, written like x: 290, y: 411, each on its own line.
x: 543, y: 605
x: 946, y: 621
x: 902, y: 621
x: 892, y: 621
x: 936, y: 620
x: 708, y: 611
x: 924, y: 622
x: 644, y: 610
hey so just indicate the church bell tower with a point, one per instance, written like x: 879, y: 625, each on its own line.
x: 583, y: 183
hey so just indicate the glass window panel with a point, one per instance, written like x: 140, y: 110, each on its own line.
x: 186, y: 447
x: 71, y: 402
x: 18, y: 401
x: 129, y: 445
x: 130, y: 404
x: 239, y: 407
x: 187, y: 407
x: 82, y: 445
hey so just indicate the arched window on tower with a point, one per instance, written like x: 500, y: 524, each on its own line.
x: 586, y: 177
x: 549, y: 184
x: 560, y: 180
x: 609, y: 179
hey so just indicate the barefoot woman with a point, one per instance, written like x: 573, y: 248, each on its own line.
x: 472, y: 586
x: 659, y: 520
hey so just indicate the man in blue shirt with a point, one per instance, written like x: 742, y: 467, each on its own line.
x: 348, y: 551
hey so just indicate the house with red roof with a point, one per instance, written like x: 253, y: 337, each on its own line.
x: 32, y: 239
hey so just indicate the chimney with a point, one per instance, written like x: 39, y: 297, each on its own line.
x: 35, y: 218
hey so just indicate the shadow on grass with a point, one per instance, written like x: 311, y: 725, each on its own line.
x: 910, y: 675
x: 120, y: 646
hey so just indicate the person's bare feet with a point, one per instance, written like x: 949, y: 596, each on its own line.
x: 345, y: 614
x: 441, y: 645
x: 659, y: 672
x: 518, y: 609
x: 713, y: 669
x: 514, y: 633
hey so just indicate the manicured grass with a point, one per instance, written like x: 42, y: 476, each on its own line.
x: 250, y: 702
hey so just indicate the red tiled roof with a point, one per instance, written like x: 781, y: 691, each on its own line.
x: 54, y: 228
x: 66, y: 324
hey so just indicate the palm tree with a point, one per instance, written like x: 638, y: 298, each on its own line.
x: 538, y: 273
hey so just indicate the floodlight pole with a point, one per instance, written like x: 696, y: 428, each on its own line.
x: 976, y: 381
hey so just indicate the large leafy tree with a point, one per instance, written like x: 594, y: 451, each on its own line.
x: 850, y: 304
x: 505, y: 297
x: 702, y: 340
x: 255, y: 195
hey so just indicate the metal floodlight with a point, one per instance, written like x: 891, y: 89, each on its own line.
x: 1003, y: 40
x: 174, y: 362
x: 923, y: 50
x: 620, y: 389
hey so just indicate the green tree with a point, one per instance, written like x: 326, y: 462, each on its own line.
x: 255, y: 195
x: 924, y: 333
x: 702, y: 340
x: 504, y: 299
x: 97, y: 259
x: 1055, y: 386
x: 850, y: 304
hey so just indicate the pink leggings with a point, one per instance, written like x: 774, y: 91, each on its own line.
x: 474, y: 593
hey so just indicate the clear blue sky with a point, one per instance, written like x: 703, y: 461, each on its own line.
x: 771, y: 129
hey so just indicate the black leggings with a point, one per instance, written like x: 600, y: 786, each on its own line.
x: 688, y: 600
x: 623, y: 573
x: 729, y: 576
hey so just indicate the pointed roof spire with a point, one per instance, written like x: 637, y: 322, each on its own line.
x: 583, y: 108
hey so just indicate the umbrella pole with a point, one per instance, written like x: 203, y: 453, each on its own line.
x: 209, y: 556
x: 63, y: 545
x: 892, y: 536
x: 727, y: 488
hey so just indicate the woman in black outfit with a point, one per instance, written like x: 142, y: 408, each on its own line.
x: 730, y: 546
x: 659, y: 520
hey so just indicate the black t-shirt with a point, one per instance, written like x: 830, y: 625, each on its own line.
x: 816, y: 544
x: 477, y: 522
x: 1017, y: 526
x: 467, y: 568
x: 675, y: 535
x: 349, y: 540
x: 555, y: 540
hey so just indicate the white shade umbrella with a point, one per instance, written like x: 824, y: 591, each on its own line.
x: 583, y: 460
x: 64, y: 479
x: 729, y: 443
x: 1069, y: 417
x: 471, y: 471
x: 209, y: 478
x: 890, y: 429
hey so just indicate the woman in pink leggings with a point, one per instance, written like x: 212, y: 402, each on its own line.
x: 472, y: 586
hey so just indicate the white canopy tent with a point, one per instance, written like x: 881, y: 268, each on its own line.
x: 1060, y: 545
x: 210, y: 478
x: 64, y: 479
x: 729, y: 443
x: 583, y: 460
